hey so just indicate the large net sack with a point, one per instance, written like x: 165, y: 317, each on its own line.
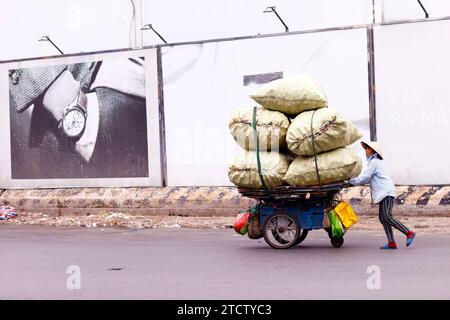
x: 328, y: 128
x: 332, y: 166
x: 245, y: 172
x: 271, y: 128
x: 291, y: 95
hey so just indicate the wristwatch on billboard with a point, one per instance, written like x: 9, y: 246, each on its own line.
x: 73, y: 122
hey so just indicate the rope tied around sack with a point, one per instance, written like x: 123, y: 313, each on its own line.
x: 258, y: 160
x: 314, y: 148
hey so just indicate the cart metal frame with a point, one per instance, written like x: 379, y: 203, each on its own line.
x: 286, y: 214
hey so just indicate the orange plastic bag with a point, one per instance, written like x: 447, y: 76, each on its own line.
x: 346, y: 214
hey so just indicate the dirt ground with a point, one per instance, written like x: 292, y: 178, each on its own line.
x: 117, y: 219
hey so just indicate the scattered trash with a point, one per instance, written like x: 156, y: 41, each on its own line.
x: 7, y: 212
x: 117, y: 216
x: 175, y: 225
x: 139, y: 222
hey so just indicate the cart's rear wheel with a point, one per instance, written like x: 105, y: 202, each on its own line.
x: 337, y: 242
x: 302, y: 237
x: 281, y: 231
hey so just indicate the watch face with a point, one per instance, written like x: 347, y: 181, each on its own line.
x: 74, y: 122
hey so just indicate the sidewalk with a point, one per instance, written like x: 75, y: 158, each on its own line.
x: 424, y: 201
x: 422, y: 225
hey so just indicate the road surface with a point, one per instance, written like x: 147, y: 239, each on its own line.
x: 215, y: 264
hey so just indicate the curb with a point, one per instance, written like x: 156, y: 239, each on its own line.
x: 203, y: 201
x: 176, y: 201
x: 410, y: 200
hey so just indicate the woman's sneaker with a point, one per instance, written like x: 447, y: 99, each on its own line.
x: 389, y: 246
x: 410, y: 238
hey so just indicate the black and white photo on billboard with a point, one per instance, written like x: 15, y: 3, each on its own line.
x: 82, y: 120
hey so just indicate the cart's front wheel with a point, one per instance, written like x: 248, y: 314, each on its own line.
x: 337, y: 242
x: 281, y: 231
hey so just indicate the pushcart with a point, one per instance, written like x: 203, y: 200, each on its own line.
x: 284, y: 215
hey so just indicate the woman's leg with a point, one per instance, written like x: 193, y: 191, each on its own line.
x: 391, y: 220
x: 383, y: 211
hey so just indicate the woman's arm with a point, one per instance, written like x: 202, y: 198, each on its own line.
x: 364, y: 177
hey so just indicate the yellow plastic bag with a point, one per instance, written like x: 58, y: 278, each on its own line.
x: 346, y: 214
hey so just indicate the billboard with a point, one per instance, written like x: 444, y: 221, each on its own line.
x: 82, y: 121
x: 205, y: 82
x: 413, y: 100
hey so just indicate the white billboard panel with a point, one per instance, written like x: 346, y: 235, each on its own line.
x: 413, y: 100
x: 74, y: 26
x: 406, y: 9
x: 205, y: 83
x: 205, y: 19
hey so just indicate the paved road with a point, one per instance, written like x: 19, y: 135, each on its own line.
x: 214, y: 264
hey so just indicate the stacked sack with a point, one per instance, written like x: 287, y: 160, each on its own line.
x: 271, y: 128
x: 317, y: 136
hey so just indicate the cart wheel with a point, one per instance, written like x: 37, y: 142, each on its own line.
x: 281, y: 231
x: 302, y: 237
x: 337, y: 242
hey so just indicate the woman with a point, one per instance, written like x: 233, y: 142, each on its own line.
x: 382, y: 192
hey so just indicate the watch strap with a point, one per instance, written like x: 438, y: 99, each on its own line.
x: 82, y: 100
